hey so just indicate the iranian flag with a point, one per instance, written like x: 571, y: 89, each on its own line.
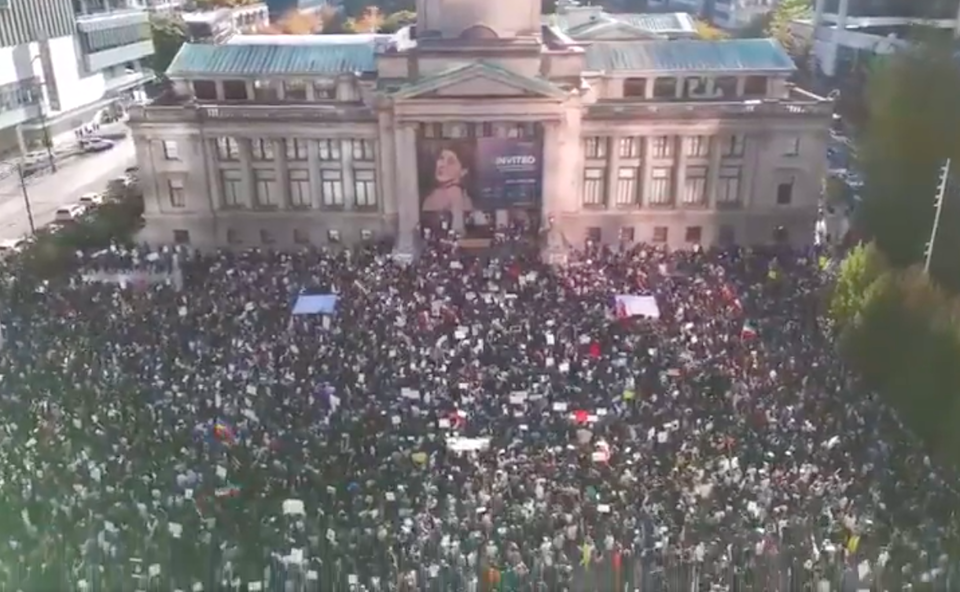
x: 749, y: 331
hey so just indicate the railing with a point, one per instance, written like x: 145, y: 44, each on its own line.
x: 698, y: 110
x: 286, y: 112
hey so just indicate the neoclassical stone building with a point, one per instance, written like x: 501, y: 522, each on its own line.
x: 585, y: 125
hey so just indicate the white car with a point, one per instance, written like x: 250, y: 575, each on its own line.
x: 11, y: 246
x: 91, y: 200
x: 70, y: 213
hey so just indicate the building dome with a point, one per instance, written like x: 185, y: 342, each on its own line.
x: 478, y: 19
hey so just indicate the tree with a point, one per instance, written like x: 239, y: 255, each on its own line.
x: 708, y: 32
x: 396, y: 21
x: 912, y: 128
x: 368, y: 22
x: 295, y: 22
x: 778, y: 24
x: 859, y: 270
x: 169, y: 33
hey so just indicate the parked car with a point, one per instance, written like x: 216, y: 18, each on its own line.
x: 70, y: 213
x: 11, y: 246
x: 91, y: 200
x: 96, y: 145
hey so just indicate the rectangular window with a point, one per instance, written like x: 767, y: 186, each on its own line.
x: 728, y: 186
x: 261, y: 148
x: 265, y: 91
x: 629, y: 148
x: 364, y: 150
x: 595, y: 147
x: 453, y: 130
x: 178, y: 198
x: 331, y: 187
x: 296, y: 149
x: 660, y: 234
x: 329, y: 150
x: 665, y: 88
x: 593, y: 187
x: 734, y: 146
x: 755, y: 86
x: 627, y: 186
x: 300, y: 188
x: 231, y: 182
x: 181, y: 237
x: 266, y: 237
x: 295, y: 90
x: 791, y: 146
x: 661, y: 186
x: 635, y: 87
x: 693, y: 235
x: 594, y: 234
x: 695, y: 189
x: 301, y: 236
x: 698, y: 146
x: 228, y: 149
x: 170, y: 151
x: 663, y: 147
x: 785, y: 193
x: 233, y: 237
x: 627, y: 234
x: 324, y: 90
x: 266, y: 191
x: 365, y: 188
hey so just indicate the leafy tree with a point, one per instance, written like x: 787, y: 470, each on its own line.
x: 913, y: 127
x: 777, y: 24
x: 708, y: 32
x: 368, y: 22
x: 396, y: 21
x: 861, y: 268
x: 295, y: 22
x: 169, y: 33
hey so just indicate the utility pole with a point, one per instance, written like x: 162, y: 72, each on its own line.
x: 26, y: 198
x: 941, y: 192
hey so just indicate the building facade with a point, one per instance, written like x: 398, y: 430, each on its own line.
x: 728, y: 14
x: 847, y: 33
x: 62, y: 61
x: 481, y: 116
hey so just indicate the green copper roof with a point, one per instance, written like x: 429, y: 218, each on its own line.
x: 266, y: 60
x: 731, y: 55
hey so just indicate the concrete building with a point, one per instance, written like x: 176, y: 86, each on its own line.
x: 848, y: 32
x: 478, y: 116
x: 62, y: 61
x: 220, y: 25
x: 728, y: 14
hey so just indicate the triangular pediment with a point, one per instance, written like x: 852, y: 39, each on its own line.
x: 479, y: 79
x: 615, y: 31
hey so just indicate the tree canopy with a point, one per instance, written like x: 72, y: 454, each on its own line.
x: 912, y: 128
x: 169, y: 33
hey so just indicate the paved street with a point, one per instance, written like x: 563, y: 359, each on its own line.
x: 76, y: 176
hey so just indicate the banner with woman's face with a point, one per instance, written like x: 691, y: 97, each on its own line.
x: 479, y: 173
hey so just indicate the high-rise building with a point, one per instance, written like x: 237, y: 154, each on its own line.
x: 848, y: 32
x: 583, y: 125
x: 64, y: 61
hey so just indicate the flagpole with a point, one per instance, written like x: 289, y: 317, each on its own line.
x: 941, y: 192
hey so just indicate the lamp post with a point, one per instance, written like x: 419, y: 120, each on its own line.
x: 18, y: 169
x: 43, y: 119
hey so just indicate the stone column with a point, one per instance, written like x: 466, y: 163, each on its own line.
x: 713, y: 172
x: 386, y: 179
x: 281, y: 173
x: 645, y: 170
x: 313, y: 168
x: 818, y: 14
x: 407, y: 188
x: 613, y: 169
x: 214, y: 183
x: 346, y: 165
x: 752, y: 176
x: 247, y: 184
x: 680, y: 177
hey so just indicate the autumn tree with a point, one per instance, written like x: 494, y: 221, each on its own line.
x: 295, y: 22
x: 368, y: 22
x: 397, y: 20
x: 708, y: 32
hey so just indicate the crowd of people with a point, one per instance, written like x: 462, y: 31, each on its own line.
x: 462, y: 422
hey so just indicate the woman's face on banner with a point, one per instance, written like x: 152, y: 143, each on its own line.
x: 448, y: 170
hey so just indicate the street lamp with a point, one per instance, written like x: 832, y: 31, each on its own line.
x: 43, y: 119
